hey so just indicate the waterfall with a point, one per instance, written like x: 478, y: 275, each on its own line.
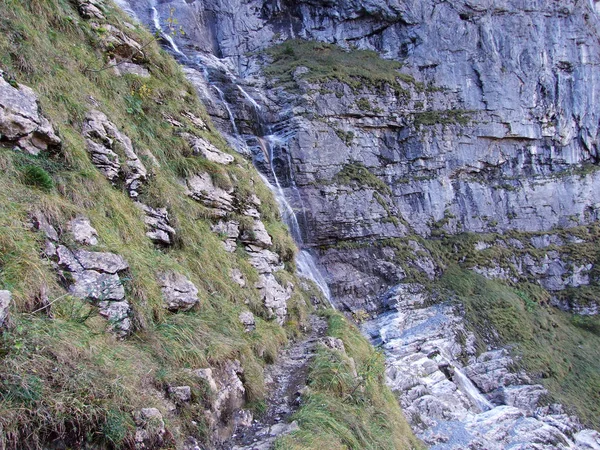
x: 471, y: 391
x: 307, y: 266
x: 166, y: 36
x: 229, y: 111
x: 253, y: 102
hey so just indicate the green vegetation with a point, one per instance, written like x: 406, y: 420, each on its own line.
x: 359, y: 174
x: 445, y: 117
x: 559, y: 350
x: 341, y: 411
x: 63, y: 377
x: 325, y: 62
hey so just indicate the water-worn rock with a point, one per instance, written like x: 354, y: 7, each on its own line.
x: 82, y: 231
x: 484, y: 403
x: 5, y: 301
x: 179, y: 293
x: 21, y: 121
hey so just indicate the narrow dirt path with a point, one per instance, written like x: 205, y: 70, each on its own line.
x: 287, y: 377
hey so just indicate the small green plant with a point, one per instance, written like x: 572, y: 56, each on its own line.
x: 37, y: 177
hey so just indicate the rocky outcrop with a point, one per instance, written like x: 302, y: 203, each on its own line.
x: 104, y: 144
x: 21, y: 121
x: 158, y: 225
x: 97, y: 277
x: 248, y: 321
x: 482, y: 403
x: 228, y: 393
x: 202, y: 188
x: 201, y: 147
x: 179, y: 293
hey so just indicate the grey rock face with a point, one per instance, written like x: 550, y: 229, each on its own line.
x: 202, y: 188
x: 21, y: 121
x: 179, y: 293
x: 5, y: 301
x: 207, y: 150
x: 230, y: 231
x: 228, y: 397
x: 96, y: 276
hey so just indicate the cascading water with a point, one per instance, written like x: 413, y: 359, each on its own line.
x: 471, y: 391
x: 166, y: 36
x: 305, y: 262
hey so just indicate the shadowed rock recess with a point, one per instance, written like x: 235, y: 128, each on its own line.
x: 190, y: 189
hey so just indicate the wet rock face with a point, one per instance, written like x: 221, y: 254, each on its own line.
x: 523, y: 74
x: 481, y: 402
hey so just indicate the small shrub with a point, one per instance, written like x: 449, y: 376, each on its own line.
x: 38, y: 177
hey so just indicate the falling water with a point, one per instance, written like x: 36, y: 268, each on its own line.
x: 255, y: 105
x: 471, y: 391
x: 166, y: 36
x: 229, y: 111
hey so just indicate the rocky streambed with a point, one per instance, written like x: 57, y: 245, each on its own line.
x: 456, y: 399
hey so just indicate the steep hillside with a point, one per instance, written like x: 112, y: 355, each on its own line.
x: 441, y: 161
x: 146, y: 277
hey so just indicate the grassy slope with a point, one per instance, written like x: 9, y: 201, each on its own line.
x: 340, y: 412
x: 63, y: 377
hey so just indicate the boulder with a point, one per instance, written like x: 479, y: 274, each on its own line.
x: 150, y: 429
x: 248, y: 321
x: 91, y: 9
x: 204, y: 148
x: 202, y: 189
x: 5, y: 301
x: 179, y: 293
x: 21, y: 122
x: 82, y: 231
